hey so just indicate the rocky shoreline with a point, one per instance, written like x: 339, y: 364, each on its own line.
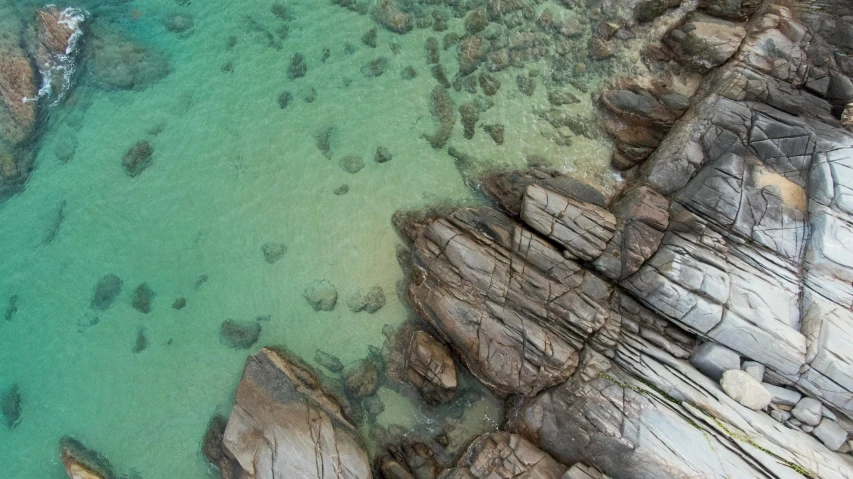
x: 696, y: 324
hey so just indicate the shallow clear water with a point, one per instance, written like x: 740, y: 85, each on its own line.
x: 231, y: 171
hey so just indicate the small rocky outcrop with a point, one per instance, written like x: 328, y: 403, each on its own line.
x: 285, y: 425
x: 389, y: 15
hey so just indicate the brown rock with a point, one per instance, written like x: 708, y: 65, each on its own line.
x: 431, y: 369
x: 285, y: 425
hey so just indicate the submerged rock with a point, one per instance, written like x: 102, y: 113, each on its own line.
x: 321, y: 295
x: 116, y: 62
x: 323, y: 138
x: 442, y: 110
x: 212, y: 446
x: 83, y: 463
x: 239, y: 334
x: 489, y: 84
x: 10, y: 406
x: 382, y: 155
x: 371, y: 301
x: 273, y: 252
x: 285, y: 99
x: 389, y: 15
x: 362, y: 379
x: 297, y: 67
x: 143, y: 296
x: 141, y: 341
x: 352, y: 164
x: 408, y: 73
x: 369, y: 38
x: 328, y: 361
x: 285, y: 425
x: 496, y: 132
x: 341, y: 190
x: 137, y: 158
x: 12, y: 308
x: 375, y: 67
x: 178, y: 22
x: 469, y: 115
x: 179, y: 304
x: 106, y: 292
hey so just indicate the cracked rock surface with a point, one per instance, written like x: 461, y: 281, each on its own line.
x: 284, y: 425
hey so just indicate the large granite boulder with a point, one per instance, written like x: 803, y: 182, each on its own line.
x: 515, y: 310
x: 285, y: 425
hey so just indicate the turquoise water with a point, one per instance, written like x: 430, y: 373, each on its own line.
x: 231, y: 170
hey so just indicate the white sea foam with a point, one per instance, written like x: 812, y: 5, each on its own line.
x: 62, y: 65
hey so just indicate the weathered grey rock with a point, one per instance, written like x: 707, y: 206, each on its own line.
x: 431, y: 369
x: 503, y: 454
x: 782, y: 396
x: 714, y: 360
x: 744, y: 389
x: 321, y: 295
x: 284, y: 425
x: 809, y: 411
x: 754, y: 369
x: 831, y: 434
